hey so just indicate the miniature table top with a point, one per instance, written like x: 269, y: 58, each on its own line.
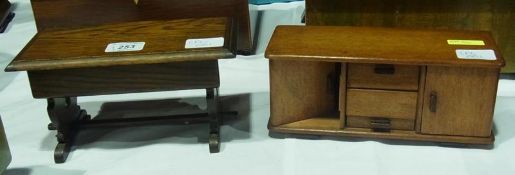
x: 142, y: 42
x: 384, y: 45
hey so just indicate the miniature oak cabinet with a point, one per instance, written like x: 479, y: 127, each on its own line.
x: 97, y: 47
x: 143, y: 56
x: 496, y: 16
x: 384, y: 83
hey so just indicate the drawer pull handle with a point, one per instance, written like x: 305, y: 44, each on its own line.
x: 380, y: 124
x: 387, y: 69
x: 432, y: 101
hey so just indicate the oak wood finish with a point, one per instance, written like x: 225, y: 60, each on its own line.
x: 365, y: 76
x: 4, y: 10
x: 124, y: 79
x: 381, y: 103
x: 496, y: 16
x: 65, y: 63
x: 76, y: 14
x: 85, y: 47
x: 465, y: 104
x: 342, y: 95
x: 420, y: 100
x: 298, y: 95
x: 367, y: 45
x: 423, y: 59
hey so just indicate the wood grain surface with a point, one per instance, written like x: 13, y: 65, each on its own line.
x: 381, y: 103
x: 299, y: 90
x: 496, y: 16
x: 124, y: 79
x: 74, y: 14
x: 85, y: 47
x: 376, y: 45
x: 4, y: 10
x: 364, y: 76
x: 465, y: 101
x: 342, y: 98
x: 420, y: 100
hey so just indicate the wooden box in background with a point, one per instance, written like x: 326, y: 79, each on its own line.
x: 74, y: 14
x: 497, y: 16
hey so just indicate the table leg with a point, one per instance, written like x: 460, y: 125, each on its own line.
x: 214, y: 119
x: 65, y: 116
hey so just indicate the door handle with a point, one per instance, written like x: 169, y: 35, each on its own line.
x: 433, y: 99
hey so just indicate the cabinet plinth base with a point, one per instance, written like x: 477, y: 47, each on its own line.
x: 332, y: 128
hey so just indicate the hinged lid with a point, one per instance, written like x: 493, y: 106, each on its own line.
x: 155, y: 42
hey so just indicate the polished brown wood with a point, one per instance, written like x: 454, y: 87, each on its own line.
x: 298, y: 95
x: 482, y: 15
x: 369, y: 76
x: 76, y: 14
x: 465, y: 99
x: 420, y: 100
x: 85, y: 47
x: 381, y: 103
x: 387, y: 80
x: 65, y: 63
x: 124, y: 79
x: 367, y: 45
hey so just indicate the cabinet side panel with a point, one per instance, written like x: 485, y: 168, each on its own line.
x: 463, y: 99
x: 300, y: 90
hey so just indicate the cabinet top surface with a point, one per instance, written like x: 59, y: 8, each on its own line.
x: 164, y: 41
x: 383, y: 45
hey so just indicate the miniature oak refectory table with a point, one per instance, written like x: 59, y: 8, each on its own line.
x: 127, y: 57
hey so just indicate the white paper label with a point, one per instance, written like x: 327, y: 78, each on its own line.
x: 204, y: 43
x: 486, y: 54
x: 125, y: 47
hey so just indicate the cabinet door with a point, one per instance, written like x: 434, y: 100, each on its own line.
x: 459, y: 101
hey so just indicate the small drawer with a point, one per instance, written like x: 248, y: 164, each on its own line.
x: 380, y: 124
x: 381, y: 104
x: 383, y: 76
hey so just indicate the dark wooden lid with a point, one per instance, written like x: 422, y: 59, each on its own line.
x: 85, y: 47
x: 377, y: 45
